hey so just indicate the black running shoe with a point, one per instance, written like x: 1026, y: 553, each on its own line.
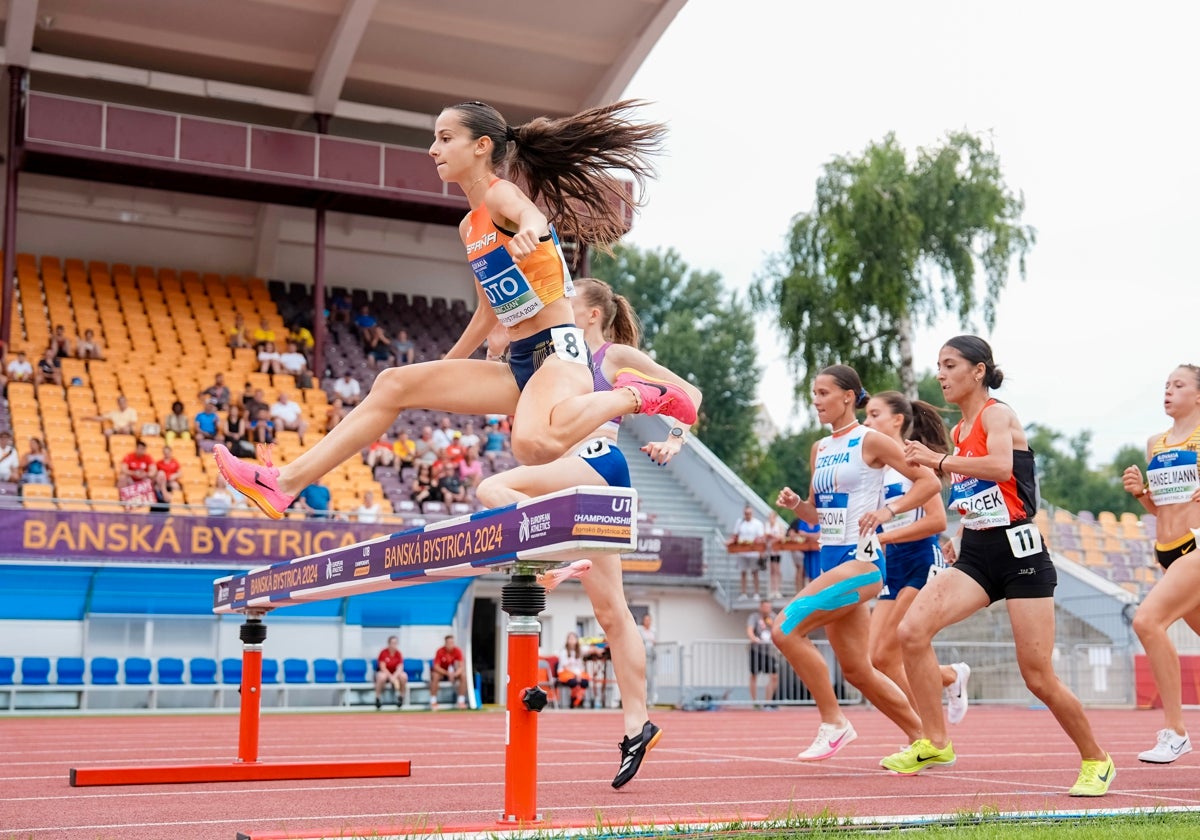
x: 633, y: 750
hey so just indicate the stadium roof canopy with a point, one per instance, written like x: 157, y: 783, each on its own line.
x: 392, y: 62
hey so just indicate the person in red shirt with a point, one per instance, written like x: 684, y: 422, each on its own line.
x: 448, y: 664
x: 389, y: 670
x: 166, y: 477
x: 136, y: 466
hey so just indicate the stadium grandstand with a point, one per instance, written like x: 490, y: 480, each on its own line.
x: 177, y: 173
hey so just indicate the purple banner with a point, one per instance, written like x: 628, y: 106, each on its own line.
x: 666, y: 555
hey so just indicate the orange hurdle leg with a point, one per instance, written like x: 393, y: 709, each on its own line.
x: 523, y: 598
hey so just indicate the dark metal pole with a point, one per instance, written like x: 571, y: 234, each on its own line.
x: 16, y: 141
x: 319, y: 331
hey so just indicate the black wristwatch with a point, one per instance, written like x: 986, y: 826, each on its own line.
x: 676, y: 431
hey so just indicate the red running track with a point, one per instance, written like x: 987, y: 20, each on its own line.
x: 709, y: 766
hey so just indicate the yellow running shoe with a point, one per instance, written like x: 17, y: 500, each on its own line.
x: 920, y: 755
x: 1095, y: 777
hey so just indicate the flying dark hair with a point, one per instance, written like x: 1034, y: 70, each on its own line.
x: 846, y: 378
x: 620, y: 321
x: 570, y: 163
x: 978, y: 352
x: 922, y: 421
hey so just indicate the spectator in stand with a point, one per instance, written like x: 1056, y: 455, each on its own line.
x: 166, y: 475
x: 453, y: 454
x: 335, y: 414
x: 48, y: 371
x: 443, y: 435
x: 10, y: 462
x: 368, y: 512
x: 366, y: 324
x: 217, y: 393
x: 122, y: 421
x: 467, y: 439
x: 448, y: 664
x: 60, y: 344
x: 427, y: 453
x: 293, y: 361
x: 450, y: 484
x: 269, y: 358
x: 137, y: 466
x: 19, y: 369
x: 313, y: 501
x: 238, y: 333
x: 289, y: 415
x: 389, y: 670
x: 3, y: 370
x: 470, y: 470
x: 424, y: 488
x: 572, y: 673
x: 89, y: 347
x: 775, y: 532
x: 404, y: 352
x: 301, y: 336
x: 746, y: 532
x: 219, y: 501
x: 405, y: 448
x: 808, y: 560
x: 262, y: 428
x: 348, y: 389
x: 176, y: 425
x: 380, y: 453
x: 208, y: 422
x: 254, y: 401
x: 377, y: 347
x: 35, y: 466
x: 339, y: 309
x: 262, y: 334
x: 762, y: 652
x: 495, y: 442
x: 235, y: 431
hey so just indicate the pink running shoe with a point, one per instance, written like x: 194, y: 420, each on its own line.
x: 657, y: 396
x: 553, y: 577
x: 257, y: 483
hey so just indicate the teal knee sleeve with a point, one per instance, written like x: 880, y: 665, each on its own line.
x: 841, y: 594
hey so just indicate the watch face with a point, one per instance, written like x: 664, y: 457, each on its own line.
x: 676, y: 432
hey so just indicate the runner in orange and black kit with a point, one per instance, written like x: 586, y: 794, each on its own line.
x: 1171, y: 492
x: 1002, y: 557
x: 522, y: 285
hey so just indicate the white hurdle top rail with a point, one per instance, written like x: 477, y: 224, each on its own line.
x: 543, y: 531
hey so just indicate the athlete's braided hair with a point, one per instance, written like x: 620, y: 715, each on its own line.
x: 570, y: 162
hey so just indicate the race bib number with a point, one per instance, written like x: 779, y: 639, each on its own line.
x: 1172, y: 477
x: 568, y: 344
x: 832, y: 509
x: 506, y: 286
x: 869, y: 549
x: 980, y: 503
x: 596, y: 448
x: 1024, y: 540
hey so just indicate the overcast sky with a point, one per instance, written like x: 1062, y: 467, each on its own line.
x: 1091, y: 107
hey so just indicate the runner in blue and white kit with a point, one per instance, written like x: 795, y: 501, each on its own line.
x: 846, y: 498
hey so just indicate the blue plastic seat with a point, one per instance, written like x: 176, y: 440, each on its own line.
x: 170, y: 671
x: 203, y: 671
x: 295, y: 671
x: 104, y: 671
x: 355, y: 671
x: 70, y: 670
x: 35, y: 670
x: 414, y: 669
x: 137, y: 671
x: 8, y: 667
x: 231, y: 671
x: 270, y: 672
x: 325, y: 670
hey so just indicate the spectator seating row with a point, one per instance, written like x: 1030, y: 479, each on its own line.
x: 351, y: 680
x: 1121, y: 548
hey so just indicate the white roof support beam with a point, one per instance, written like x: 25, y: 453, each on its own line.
x: 621, y: 71
x: 18, y: 31
x: 330, y: 75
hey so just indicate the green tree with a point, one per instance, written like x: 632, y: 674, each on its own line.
x: 888, y: 247
x: 786, y: 462
x: 1067, y: 481
x: 694, y: 326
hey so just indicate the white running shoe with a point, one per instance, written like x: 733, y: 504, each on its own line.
x: 956, y: 703
x: 829, y: 740
x: 1169, y: 747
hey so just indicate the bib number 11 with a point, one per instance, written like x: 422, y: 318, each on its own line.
x: 1024, y: 540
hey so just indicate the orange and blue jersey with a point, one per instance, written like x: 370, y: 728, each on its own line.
x: 1172, y: 476
x: 516, y: 291
x: 988, y: 504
